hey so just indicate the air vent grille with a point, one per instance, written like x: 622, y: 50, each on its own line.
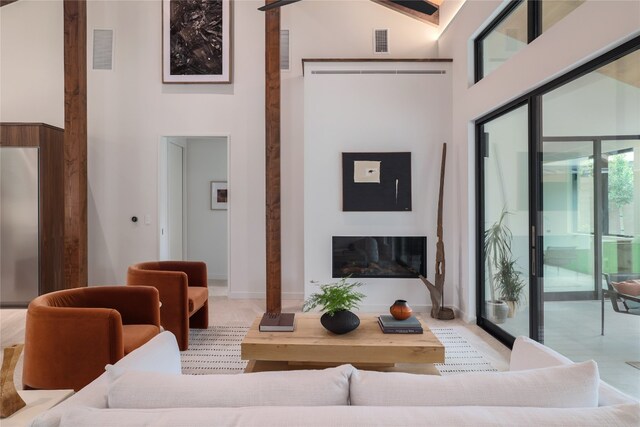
x: 330, y: 72
x: 284, y: 50
x: 102, y: 49
x: 381, y: 41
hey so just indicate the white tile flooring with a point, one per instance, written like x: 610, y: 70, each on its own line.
x: 573, y: 329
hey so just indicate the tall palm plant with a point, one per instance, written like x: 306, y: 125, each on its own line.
x: 497, y: 246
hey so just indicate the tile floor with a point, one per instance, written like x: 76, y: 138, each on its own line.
x: 573, y: 329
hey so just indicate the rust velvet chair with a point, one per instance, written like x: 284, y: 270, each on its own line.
x: 183, y: 293
x: 72, y: 334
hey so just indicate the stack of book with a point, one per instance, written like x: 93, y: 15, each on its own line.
x: 277, y: 322
x: 389, y: 325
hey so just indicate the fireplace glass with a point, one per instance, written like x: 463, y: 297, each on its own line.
x: 379, y: 257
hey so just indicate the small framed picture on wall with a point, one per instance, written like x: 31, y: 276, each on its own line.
x: 218, y: 195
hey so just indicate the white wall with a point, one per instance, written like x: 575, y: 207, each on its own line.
x: 130, y: 109
x: 567, y: 44
x: 31, y: 62
x: 328, y: 29
x: 206, y: 228
x: 374, y: 113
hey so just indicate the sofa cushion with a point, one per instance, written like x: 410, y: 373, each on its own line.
x: 365, y: 416
x: 198, y: 296
x: 134, y: 336
x: 530, y: 354
x: 289, y: 388
x: 570, y: 386
x: 628, y: 287
x: 160, y: 354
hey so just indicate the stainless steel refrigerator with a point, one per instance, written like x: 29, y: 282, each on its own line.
x: 19, y: 225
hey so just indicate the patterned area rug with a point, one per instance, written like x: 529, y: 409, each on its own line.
x: 216, y: 350
x: 459, y: 355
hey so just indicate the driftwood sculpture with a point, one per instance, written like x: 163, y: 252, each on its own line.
x: 438, y: 311
x: 10, y: 400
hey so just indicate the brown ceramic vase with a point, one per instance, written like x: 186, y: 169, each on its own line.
x: 400, y: 310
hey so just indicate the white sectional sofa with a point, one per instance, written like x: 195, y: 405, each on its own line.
x: 542, y: 388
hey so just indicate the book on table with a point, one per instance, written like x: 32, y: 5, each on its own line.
x: 277, y: 322
x: 389, y: 325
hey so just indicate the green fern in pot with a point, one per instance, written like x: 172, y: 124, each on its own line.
x: 509, y: 284
x: 335, y: 301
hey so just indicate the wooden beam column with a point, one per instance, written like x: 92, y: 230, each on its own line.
x: 272, y: 172
x: 75, y: 143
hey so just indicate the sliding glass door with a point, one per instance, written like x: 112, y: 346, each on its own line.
x: 559, y: 216
x: 505, y: 216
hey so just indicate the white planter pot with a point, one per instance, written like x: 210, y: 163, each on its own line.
x: 497, y: 311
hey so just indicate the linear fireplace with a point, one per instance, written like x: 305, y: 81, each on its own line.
x: 376, y: 256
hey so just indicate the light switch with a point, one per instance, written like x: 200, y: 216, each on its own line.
x: 147, y: 219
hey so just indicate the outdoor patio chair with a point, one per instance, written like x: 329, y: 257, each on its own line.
x: 621, y: 302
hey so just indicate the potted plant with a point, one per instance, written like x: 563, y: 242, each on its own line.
x: 335, y: 301
x: 510, y: 284
x: 497, y: 246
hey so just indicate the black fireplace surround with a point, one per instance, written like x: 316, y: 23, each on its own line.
x: 379, y: 257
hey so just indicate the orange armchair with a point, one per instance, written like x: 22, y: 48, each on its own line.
x: 72, y: 334
x: 183, y: 292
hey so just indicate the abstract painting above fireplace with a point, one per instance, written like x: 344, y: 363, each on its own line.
x: 379, y: 256
x: 376, y: 182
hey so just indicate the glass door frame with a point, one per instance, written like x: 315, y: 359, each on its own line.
x: 533, y: 100
x: 481, y: 151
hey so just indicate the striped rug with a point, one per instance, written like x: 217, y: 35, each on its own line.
x: 216, y: 350
x: 459, y: 355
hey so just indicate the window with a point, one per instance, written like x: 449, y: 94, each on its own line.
x: 502, y: 39
x: 515, y: 27
x: 554, y: 10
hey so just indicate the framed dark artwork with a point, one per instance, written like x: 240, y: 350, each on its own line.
x: 218, y: 195
x: 376, y: 182
x: 196, y: 41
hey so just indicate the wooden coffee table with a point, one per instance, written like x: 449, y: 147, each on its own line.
x: 312, y: 346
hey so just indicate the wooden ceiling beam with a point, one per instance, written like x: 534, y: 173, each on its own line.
x: 422, y: 17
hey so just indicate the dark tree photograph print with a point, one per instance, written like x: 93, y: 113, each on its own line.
x: 196, y: 41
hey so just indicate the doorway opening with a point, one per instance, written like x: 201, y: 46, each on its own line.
x: 193, y: 209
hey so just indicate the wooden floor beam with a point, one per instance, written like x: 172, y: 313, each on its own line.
x: 272, y: 172
x: 75, y: 143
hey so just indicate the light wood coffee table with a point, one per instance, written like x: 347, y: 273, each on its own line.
x: 310, y: 345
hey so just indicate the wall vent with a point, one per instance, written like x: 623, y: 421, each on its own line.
x: 395, y: 72
x: 381, y: 40
x: 102, y: 49
x: 284, y: 50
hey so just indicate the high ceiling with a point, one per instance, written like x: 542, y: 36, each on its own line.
x: 422, y: 10
x: 625, y: 69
